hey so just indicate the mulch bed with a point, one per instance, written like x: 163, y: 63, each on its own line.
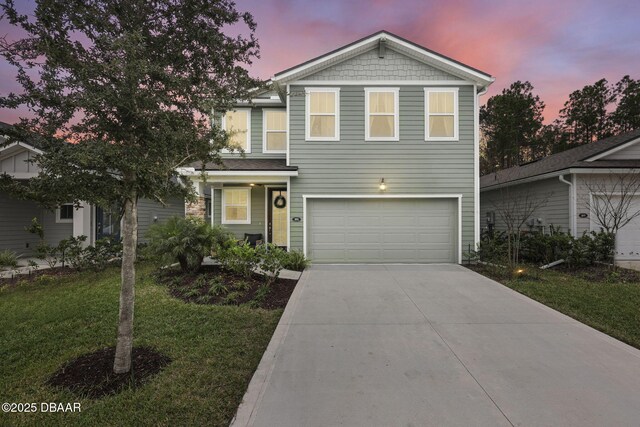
x: 602, y: 273
x: 595, y: 273
x: 197, y: 288
x: 92, y: 374
x: 34, y: 275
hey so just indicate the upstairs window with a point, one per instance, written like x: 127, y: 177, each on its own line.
x: 381, y: 114
x: 236, y: 206
x: 238, y: 124
x: 441, y: 107
x: 275, y: 131
x: 323, y: 114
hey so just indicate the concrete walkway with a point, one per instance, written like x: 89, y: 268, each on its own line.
x: 435, y: 346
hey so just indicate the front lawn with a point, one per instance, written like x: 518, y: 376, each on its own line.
x: 609, y: 302
x: 214, y: 350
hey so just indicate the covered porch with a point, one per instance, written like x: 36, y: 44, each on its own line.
x: 247, y: 197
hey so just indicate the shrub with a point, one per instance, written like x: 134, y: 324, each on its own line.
x: 493, y: 247
x: 47, y: 253
x: 271, y: 261
x: 73, y: 252
x: 295, y: 260
x: 8, y: 259
x: 185, y: 240
x: 97, y: 257
x: 540, y: 248
x: 592, y: 248
x: 238, y: 258
x: 543, y: 248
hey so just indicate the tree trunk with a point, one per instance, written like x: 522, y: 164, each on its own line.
x: 124, y: 346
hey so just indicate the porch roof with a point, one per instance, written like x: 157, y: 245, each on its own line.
x: 238, y: 167
x: 246, y: 165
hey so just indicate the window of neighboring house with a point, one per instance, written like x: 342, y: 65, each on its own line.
x: 381, y: 114
x: 323, y: 114
x: 236, y: 206
x: 64, y: 213
x: 207, y: 207
x: 238, y: 125
x: 441, y: 107
x: 275, y: 131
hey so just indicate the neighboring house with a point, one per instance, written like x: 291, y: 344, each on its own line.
x: 65, y: 221
x: 566, y: 182
x: 367, y: 154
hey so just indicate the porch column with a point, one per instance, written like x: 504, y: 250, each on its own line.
x: 82, y: 223
x: 197, y: 209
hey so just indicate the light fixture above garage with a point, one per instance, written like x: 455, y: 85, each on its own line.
x: 382, y: 186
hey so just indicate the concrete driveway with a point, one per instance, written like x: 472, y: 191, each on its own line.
x: 435, y: 345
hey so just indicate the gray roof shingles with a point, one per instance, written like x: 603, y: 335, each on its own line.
x: 572, y: 158
x: 248, y: 165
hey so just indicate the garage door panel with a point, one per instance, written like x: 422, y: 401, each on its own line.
x: 400, y: 238
x: 444, y: 238
x: 363, y: 238
x: 364, y: 220
x: 382, y: 230
x: 329, y: 221
x: 331, y: 238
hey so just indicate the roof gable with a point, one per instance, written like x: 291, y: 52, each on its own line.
x: 627, y: 151
x: 392, y: 42
x: 392, y: 66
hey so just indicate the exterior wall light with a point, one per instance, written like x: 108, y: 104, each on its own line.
x: 382, y: 186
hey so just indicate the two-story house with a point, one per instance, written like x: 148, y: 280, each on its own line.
x: 366, y: 154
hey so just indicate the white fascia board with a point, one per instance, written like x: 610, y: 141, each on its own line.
x: 474, y: 75
x: 23, y: 145
x: 383, y: 83
x: 608, y: 170
x: 613, y: 150
x: 193, y: 172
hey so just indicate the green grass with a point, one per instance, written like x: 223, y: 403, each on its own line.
x: 610, y: 306
x: 214, y: 351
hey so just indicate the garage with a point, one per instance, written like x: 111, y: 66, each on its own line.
x: 382, y: 230
x: 627, y: 238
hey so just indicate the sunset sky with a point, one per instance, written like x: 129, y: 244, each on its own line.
x: 558, y: 45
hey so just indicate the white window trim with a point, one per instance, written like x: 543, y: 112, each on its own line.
x: 308, y: 91
x: 64, y: 220
x: 265, y: 130
x: 223, y: 123
x: 396, y: 115
x: 224, y: 205
x: 456, y: 113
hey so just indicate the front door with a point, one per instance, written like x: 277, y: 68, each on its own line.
x: 107, y: 224
x: 277, y: 216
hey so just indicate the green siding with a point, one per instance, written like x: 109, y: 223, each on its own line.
x: 148, y: 210
x: 553, y: 194
x: 409, y: 166
x: 257, y: 213
x: 256, y: 139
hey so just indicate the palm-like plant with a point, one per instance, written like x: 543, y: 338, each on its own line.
x: 185, y: 240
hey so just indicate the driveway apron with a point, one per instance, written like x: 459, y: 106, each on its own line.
x: 434, y: 345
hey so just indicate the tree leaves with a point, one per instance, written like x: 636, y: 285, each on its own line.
x: 120, y: 86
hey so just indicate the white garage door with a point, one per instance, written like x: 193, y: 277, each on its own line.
x: 382, y: 230
x: 628, y: 237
